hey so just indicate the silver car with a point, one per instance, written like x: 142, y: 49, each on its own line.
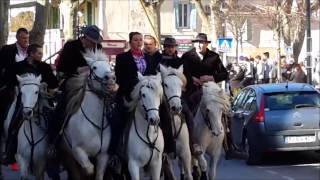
x: 275, y: 117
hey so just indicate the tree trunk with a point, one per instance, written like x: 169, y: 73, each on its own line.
x: 217, y: 19
x: 300, y: 29
x: 40, y: 23
x: 285, y: 13
x: 4, y: 6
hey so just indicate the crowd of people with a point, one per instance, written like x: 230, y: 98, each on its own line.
x: 263, y: 70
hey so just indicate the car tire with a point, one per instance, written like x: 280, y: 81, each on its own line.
x: 252, y: 157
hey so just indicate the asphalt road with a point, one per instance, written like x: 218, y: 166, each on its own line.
x: 276, y: 166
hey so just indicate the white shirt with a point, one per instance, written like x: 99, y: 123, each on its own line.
x: 22, y: 53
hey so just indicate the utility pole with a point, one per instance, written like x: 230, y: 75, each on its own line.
x: 309, y: 48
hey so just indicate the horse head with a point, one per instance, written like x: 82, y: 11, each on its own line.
x: 100, y: 68
x: 214, y: 102
x: 29, y: 88
x: 147, y: 97
x: 173, y: 83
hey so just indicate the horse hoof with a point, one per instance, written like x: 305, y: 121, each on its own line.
x: 89, y: 169
x: 203, y: 175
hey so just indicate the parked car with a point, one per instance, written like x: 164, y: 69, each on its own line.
x: 275, y: 117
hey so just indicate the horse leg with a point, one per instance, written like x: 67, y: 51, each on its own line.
x: 134, y: 170
x: 102, y: 161
x: 155, y: 168
x: 203, y: 166
x: 167, y: 169
x: 82, y: 158
x: 186, y: 161
x: 24, y: 164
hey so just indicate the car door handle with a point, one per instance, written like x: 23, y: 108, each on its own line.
x: 298, y: 124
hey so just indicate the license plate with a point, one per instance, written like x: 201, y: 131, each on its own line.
x: 299, y: 139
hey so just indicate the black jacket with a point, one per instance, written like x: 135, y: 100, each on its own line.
x: 127, y: 72
x: 7, y: 59
x: 210, y: 65
x: 38, y: 68
x: 171, y: 61
x: 71, y: 58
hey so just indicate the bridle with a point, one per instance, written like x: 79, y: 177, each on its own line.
x: 171, y: 97
x: 35, y: 84
x: 143, y: 105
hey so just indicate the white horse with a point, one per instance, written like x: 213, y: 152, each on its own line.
x: 173, y: 83
x: 87, y: 133
x: 32, y: 137
x: 208, y: 130
x: 145, y: 144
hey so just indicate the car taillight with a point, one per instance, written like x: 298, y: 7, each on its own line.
x: 259, y: 117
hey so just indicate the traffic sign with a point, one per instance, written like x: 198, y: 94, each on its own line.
x: 224, y: 44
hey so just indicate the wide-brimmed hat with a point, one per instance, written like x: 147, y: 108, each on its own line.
x: 170, y: 41
x: 92, y: 33
x: 201, y: 37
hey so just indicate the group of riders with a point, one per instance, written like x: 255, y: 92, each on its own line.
x: 200, y: 65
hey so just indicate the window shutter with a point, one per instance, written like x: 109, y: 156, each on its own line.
x: 193, y: 17
x: 176, y: 13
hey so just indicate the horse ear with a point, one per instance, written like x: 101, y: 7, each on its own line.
x: 140, y: 76
x: 158, y: 76
x: 19, y: 78
x: 180, y: 69
x: 163, y: 69
x: 39, y: 78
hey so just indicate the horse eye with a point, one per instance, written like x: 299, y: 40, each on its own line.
x: 165, y: 85
x: 36, y: 92
x: 94, y: 67
x: 207, y: 110
x: 143, y: 95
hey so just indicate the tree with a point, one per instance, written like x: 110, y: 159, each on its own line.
x: 4, y: 6
x: 152, y: 10
x: 38, y: 30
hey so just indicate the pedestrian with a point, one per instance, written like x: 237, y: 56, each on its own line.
x: 200, y: 65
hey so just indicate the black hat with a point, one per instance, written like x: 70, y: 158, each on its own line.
x: 170, y: 41
x: 92, y: 33
x: 201, y: 37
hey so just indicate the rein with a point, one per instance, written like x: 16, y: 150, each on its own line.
x: 149, y: 143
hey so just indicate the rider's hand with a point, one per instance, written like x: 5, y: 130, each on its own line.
x: 206, y: 78
x: 196, y: 81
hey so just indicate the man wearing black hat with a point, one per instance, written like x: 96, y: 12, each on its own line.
x: 70, y: 63
x: 200, y: 65
x: 169, y: 55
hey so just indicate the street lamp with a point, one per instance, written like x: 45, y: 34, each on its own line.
x: 309, y: 48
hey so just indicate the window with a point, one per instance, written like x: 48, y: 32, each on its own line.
x: 183, y: 15
x: 291, y: 100
x: 54, y: 18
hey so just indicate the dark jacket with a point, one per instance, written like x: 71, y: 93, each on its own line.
x: 210, y: 65
x: 7, y: 59
x: 127, y: 72
x: 71, y: 58
x: 38, y: 68
x: 171, y: 61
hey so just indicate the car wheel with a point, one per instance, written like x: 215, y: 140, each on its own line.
x: 252, y: 157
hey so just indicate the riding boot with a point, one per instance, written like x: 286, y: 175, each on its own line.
x: 166, y: 127
x: 11, y: 143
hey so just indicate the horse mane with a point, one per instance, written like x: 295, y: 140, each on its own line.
x: 213, y: 92
x: 27, y: 78
x: 180, y: 75
x: 148, y: 80
x: 97, y: 55
x: 75, y: 91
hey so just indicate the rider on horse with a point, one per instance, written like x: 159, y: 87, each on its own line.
x: 71, y: 62
x: 31, y: 64
x: 9, y: 54
x: 200, y: 65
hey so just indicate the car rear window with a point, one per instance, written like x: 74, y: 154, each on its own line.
x: 291, y: 100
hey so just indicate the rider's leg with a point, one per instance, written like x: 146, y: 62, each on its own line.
x: 11, y: 142
x: 166, y: 126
